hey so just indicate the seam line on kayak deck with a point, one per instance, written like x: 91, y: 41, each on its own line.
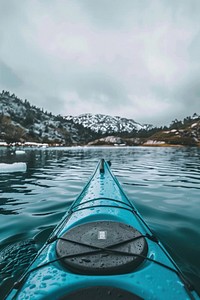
x: 104, y: 205
x: 103, y: 198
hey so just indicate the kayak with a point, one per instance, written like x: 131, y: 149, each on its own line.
x: 102, y: 249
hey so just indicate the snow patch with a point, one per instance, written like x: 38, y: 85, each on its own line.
x: 194, y: 125
x: 15, y: 167
x: 19, y: 152
x: 3, y: 144
x: 105, y: 123
x: 154, y: 142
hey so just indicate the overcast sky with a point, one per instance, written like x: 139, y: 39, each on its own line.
x: 133, y: 58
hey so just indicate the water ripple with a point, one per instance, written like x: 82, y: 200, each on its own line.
x: 163, y: 183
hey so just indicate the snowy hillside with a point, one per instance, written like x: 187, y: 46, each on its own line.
x: 106, y: 124
x: 20, y: 121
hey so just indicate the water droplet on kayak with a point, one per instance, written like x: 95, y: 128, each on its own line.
x: 47, y: 277
x: 104, y: 255
x: 32, y: 286
x: 86, y: 260
x: 43, y: 285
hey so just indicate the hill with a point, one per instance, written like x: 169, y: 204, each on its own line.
x: 105, y: 124
x: 186, y: 133
x: 21, y: 122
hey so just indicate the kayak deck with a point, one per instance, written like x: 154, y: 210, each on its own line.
x: 102, y: 248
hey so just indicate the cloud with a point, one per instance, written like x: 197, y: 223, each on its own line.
x: 111, y: 15
x: 8, y: 78
x: 137, y: 59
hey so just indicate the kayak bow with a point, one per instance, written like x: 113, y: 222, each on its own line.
x: 102, y: 249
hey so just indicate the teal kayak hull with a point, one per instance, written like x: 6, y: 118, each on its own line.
x: 148, y: 273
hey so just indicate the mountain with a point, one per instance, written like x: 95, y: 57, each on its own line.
x: 122, y: 131
x: 21, y: 122
x: 105, y: 124
x: 186, y: 133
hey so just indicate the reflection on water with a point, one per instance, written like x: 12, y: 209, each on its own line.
x: 164, y: 184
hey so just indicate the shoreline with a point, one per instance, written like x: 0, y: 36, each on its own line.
x: 46, y: 146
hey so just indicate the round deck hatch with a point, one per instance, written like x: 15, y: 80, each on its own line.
x: 84, y: 246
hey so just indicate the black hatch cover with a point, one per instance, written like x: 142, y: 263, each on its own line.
x: 84, y: 245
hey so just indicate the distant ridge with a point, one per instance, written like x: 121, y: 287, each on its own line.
x: 100, y: 123
x: 22, y: 123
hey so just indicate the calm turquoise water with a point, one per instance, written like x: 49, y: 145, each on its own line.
x: 164, y: 184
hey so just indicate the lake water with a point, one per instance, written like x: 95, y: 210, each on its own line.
x: 163, y: 183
